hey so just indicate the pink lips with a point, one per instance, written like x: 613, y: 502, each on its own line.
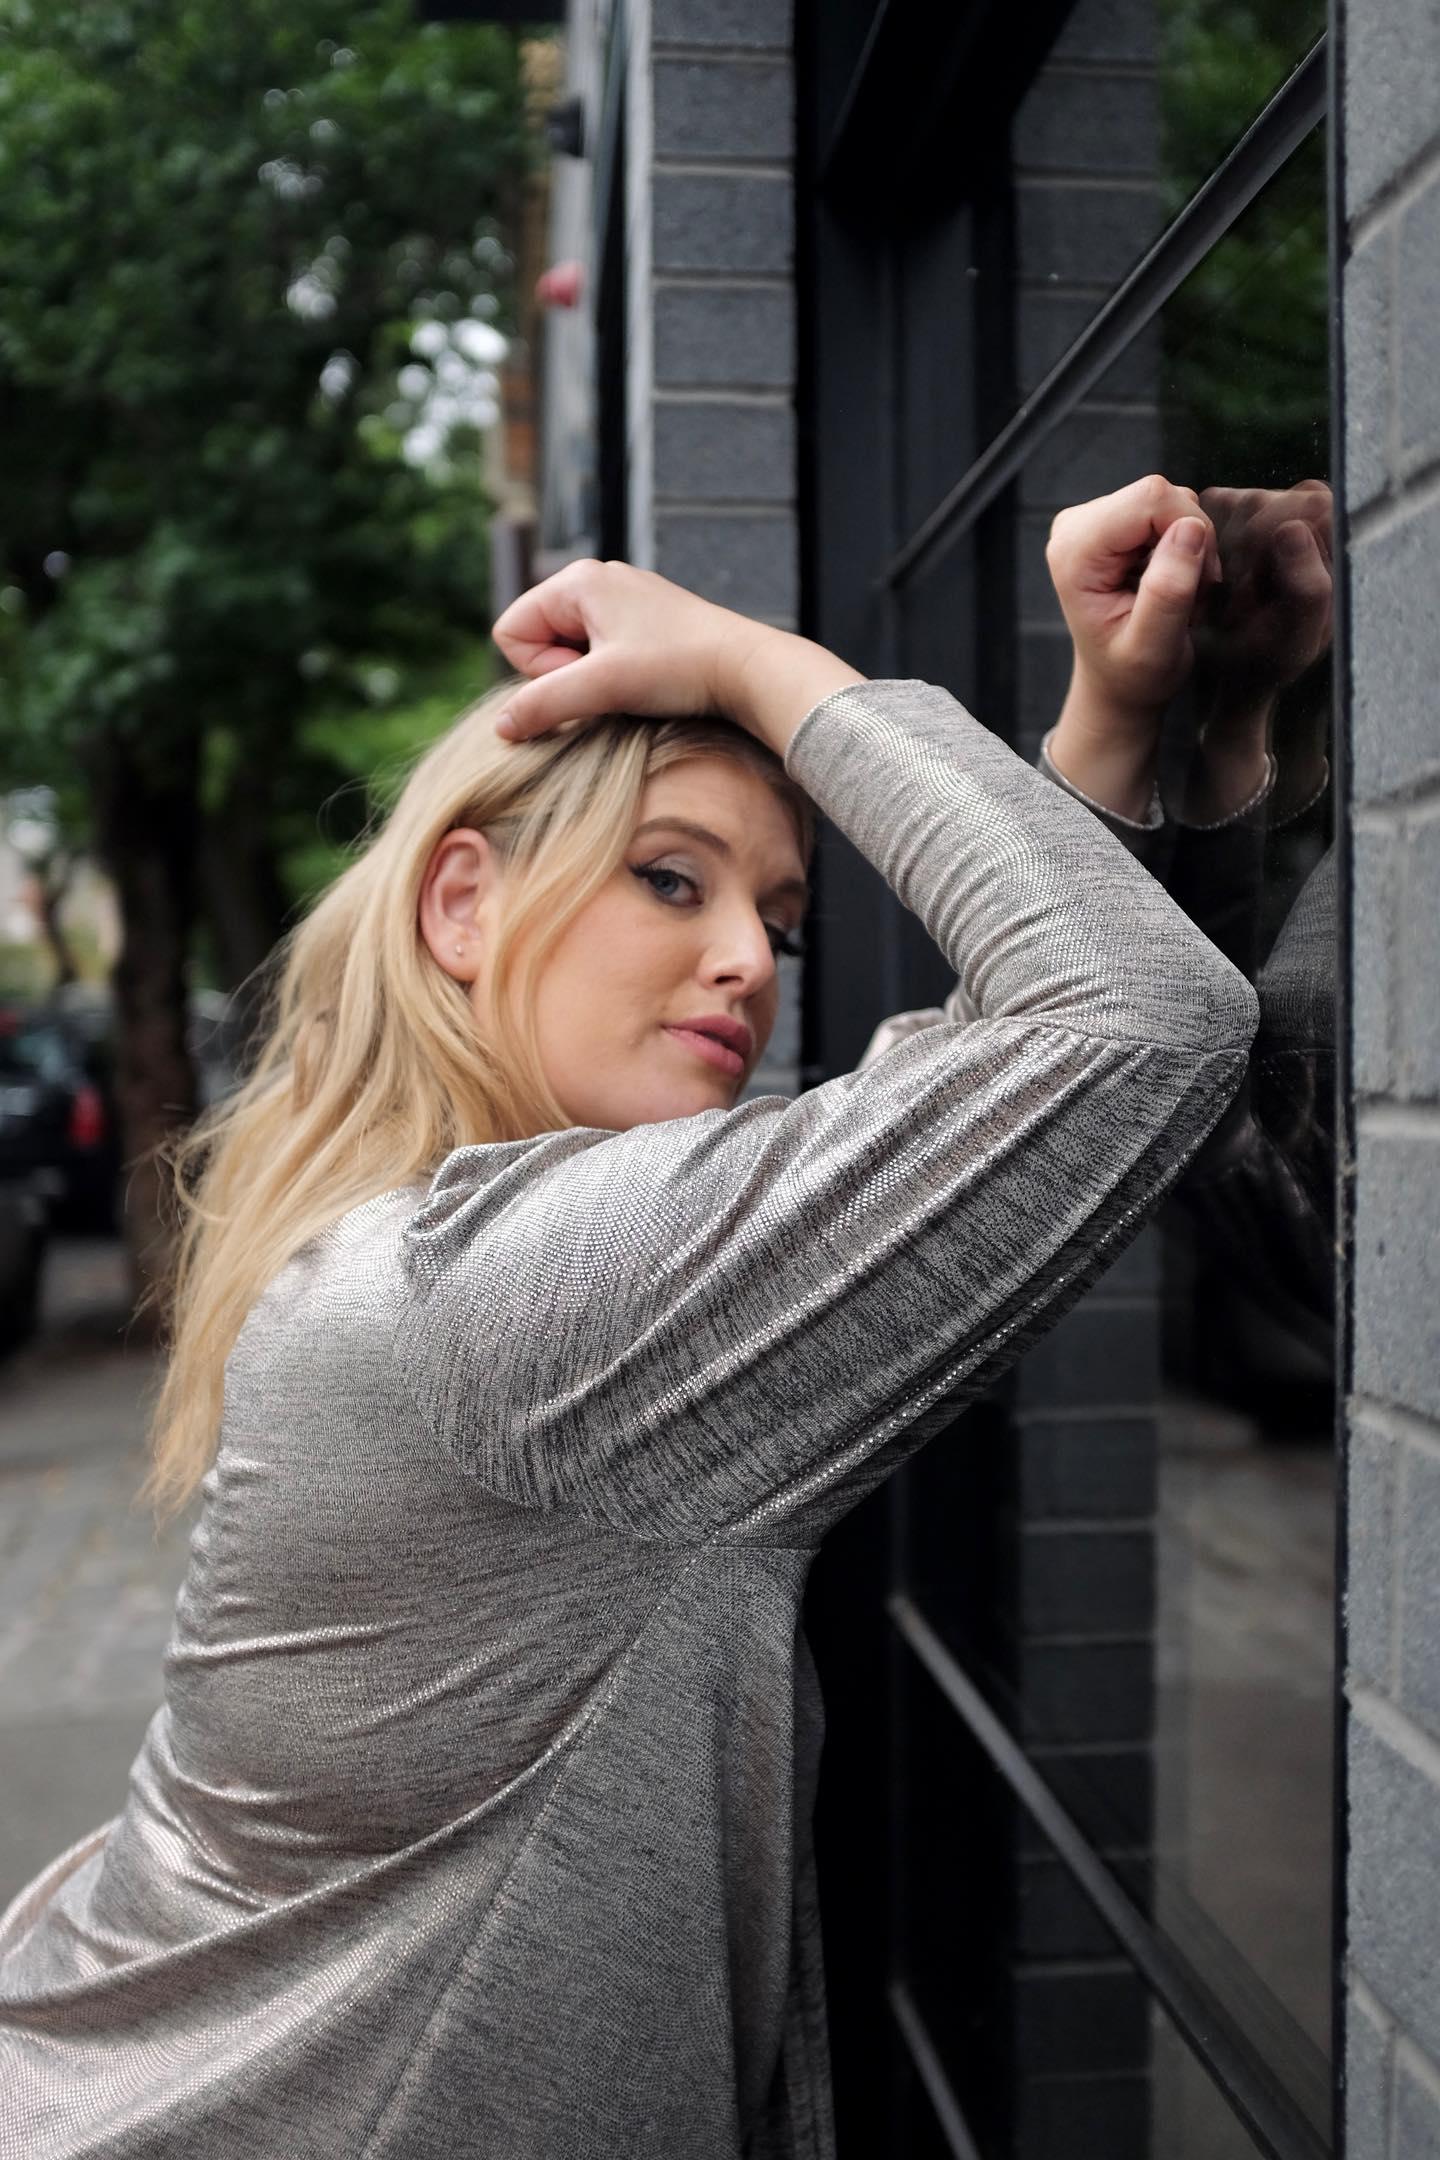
x: 705, y: 1046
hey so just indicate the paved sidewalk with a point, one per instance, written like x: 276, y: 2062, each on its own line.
x: 86, y: 1588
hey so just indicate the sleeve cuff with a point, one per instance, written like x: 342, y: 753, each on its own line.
x: 1152, y: 821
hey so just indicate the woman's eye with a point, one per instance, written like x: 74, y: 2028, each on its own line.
x: 651, y: 871
x: 781, y: 940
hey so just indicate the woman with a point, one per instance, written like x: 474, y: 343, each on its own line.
x: 477, y: 1819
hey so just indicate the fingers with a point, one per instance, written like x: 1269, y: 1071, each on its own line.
x: 579, y: 690
x: 546, y: 626
x: 1165, y: 602
x: 1302, y: 566
x: 1092, y: 544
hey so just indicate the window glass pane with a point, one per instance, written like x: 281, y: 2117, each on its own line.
x: 1134, y: 1555
x: 1245, y: 1516
x: 1133, y: 111
x: 1048, y: 2040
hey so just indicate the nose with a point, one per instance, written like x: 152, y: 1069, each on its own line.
x: 742, y: 952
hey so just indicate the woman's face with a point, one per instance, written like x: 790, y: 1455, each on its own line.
x: 687, y: 928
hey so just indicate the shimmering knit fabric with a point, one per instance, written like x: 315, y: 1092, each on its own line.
x: 477, y: 1818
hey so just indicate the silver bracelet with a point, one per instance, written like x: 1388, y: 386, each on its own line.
x: 1153, y: 819
x: 1233, y: 817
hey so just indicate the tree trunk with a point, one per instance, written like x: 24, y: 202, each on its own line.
x: 146, y: 821
x: 53, y: 880
x: 245, y: 901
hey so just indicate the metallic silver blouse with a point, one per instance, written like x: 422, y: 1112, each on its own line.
x: 477, y: 1817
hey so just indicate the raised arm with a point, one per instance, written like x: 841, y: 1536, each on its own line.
x: 730, y: 1325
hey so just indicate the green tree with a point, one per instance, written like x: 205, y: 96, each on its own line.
x: 242, y: 248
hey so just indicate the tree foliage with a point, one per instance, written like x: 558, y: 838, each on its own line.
x: 219, y: 229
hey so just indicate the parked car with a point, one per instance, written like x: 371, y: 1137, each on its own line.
x: 57, y: 1116
x: 24, y: 1236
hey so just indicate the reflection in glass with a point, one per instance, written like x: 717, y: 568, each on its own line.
x: 1244, y: 1526
x: 1137, y: 1568
x: 1220, y: 62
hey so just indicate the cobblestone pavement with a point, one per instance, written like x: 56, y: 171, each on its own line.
x: 87, y: 1588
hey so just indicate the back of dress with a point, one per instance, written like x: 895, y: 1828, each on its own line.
x: 478, y: 1816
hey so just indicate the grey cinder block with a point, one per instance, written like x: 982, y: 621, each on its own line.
x: 1108, y: 30
x: 1418, y: 1007
x: 1392, y: 93
x: 1367, y: 2088
x: 1374, y: 930
x: 1090, y: 454
x: 1089, y: 123
x: 1101, y: 1353
x: 1416, y: 2133
x: 1397, y: 1271
x: 1087, y: 1691
x: 744, y: 562
x: 722, y: 221
x: 723, y: 109
x: 1417, y: 326
x: 1048, y: 321
x: 1419, y: 1533
x: 1371, y: 1552
x: 1396, y: 634
x: 1394, y: 1913
x: 724, y: 453
x: 724, y: 335
x: 760, y: 23
x: 1367, y: 368
x: 1094, y: 233
x: 1082, y: 1468
x: 1086, y: 1582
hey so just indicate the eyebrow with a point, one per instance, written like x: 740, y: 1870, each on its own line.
x: 796, y: 888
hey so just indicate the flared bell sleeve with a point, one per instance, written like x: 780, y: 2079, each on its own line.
x: 731, y: 1324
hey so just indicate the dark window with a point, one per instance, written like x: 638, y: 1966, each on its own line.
x: 1110, y: 1590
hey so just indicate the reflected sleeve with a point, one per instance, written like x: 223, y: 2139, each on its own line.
x: 715, y: 1324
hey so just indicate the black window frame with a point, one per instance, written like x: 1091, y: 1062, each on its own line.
x: 867, y: 956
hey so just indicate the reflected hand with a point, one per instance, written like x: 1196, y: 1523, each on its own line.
x: 1129, y: 570
x: 1270, y: 618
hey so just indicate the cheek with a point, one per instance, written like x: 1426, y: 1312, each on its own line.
x: 611, y: 973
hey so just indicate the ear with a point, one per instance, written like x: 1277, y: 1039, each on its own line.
x: 456, y: 897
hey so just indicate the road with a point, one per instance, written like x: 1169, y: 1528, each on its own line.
x: 86, y: 1587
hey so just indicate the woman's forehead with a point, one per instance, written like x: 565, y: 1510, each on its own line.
x: 734, y: 813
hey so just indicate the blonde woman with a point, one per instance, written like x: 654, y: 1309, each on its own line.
x: 522, y: 1369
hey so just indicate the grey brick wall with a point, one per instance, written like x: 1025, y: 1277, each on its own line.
x: 711, y: 426
x: 1391, y: 301
x: 713, y: 430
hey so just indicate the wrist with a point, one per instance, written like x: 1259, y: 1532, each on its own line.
x: 1106, y: 748
x: 769, y: 680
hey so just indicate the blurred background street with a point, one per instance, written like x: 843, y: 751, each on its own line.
x: 86, y: 1588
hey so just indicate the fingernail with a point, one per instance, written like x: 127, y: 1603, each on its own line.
x: 1189, y: 536
x: 505, y: 723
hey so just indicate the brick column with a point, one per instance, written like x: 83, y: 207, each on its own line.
x: 1391, y: 301
x: 717, y: 467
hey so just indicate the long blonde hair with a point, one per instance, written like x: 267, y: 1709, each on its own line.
x: 371, y: 1066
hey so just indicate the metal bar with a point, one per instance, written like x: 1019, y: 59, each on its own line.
x: 1344, y: 1100
x: 1244, y: 2078
x: 931, y: 2072
x: 617, y: 55
x: 853, y: 90
x: 1297, y: 106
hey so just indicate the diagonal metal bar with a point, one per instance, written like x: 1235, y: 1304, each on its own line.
x: 1247, y: 2081
x: 1297, y: 106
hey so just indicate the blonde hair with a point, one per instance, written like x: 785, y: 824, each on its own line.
x: 371, y: 1066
